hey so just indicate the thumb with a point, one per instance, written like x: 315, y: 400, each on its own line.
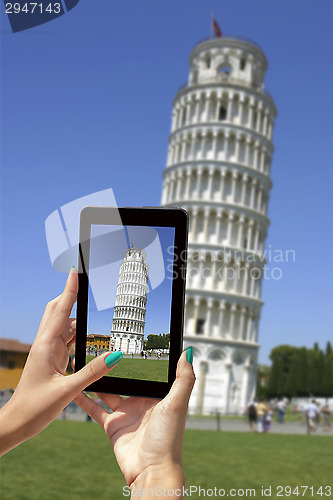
x: 181, y: 389
x: 93, y: 371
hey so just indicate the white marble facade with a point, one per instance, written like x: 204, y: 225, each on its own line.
x: 129, y: 316
x: 218, y: 169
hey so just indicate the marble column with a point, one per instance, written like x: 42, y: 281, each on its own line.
x: 233, y: 186
x: 229, y: 229
x: 228, y: 367
x: 222, y: 308
x: 206, y: 220
x: 193, y: 224
x: 192, y: 150
x: 208, y: 324
x: 198, y: 186
x: 201, y: 387
x: 223, y: 175
x: 210, y: 183
x: 241, y: 232
x: 253, y: 192
x: 241, y: 325
x: 188, y: 182
x: 244, y: 186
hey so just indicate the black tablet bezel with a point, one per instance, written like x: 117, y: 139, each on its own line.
x: 144, y: 216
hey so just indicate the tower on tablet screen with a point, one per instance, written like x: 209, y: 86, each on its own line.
x: 129, y: 316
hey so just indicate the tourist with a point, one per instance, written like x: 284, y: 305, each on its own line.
x: 251, y: 411
x: 312, y: 413
x: 44, y: 391
x: 326, y: 412
x: 281, y: 407
x: 268, y: 419
x: 261, y: 413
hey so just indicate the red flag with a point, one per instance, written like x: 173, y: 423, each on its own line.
x: 217, y: 29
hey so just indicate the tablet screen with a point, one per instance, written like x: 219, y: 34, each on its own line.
x: 129, y: 298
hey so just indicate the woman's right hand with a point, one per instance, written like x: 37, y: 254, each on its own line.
x: 147, y: 434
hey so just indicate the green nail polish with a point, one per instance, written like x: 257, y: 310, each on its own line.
x: 189, y: 355
x: 71, y: 357
x: 113, y: 358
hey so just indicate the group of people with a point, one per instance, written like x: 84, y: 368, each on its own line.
x: 313, y: 413
x: 148, y: 353
x: 93, y: 351
x: 260, y: 414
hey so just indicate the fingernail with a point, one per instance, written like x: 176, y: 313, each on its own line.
x: 113, y: 358
x: 71, y: 357
x: 189, y: 355
x: 73, y: 267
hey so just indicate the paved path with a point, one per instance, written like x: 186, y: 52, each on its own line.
x: 236, y: 425
x: 73, y: 412
x: 210, y: 424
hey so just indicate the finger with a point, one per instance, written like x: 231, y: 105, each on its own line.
x: 49, y: 309
x: 112, y: 400
x: 93, y: 409
x: 69, y: 295
x: 93, y: 371
x: 71, y: 343
x: 62, y: 308
x: 69, y: 331
x: 181, y: 389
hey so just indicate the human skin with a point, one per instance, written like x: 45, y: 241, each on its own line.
x: 44, y: 390
x: 147, y: 434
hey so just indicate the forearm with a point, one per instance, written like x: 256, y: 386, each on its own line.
x: 11, y: 431
x: 167, y: 482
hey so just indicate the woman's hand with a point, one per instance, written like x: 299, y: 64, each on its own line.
x: 147, y: 435
x: 43, y: 390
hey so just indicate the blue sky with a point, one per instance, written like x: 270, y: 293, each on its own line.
x: 86, y: 105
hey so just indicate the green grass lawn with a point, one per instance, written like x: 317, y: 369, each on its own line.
x: 74, y: 461
x: 141, y: 369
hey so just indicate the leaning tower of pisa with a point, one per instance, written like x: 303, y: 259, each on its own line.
x: 218, y: 169
x: 129, y: 315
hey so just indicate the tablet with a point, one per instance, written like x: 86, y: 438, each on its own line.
x: 132, y: 266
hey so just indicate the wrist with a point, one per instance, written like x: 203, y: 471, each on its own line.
x: 156, y: 480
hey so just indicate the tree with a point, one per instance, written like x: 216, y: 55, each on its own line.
x: 293, y: 367
x: 315, y: 372
x: 327, y: 386
x: 281, y: 380
x: 276, y: 378
x: 263, y: 375
x: 298, y: 371
x: 157, y: 341
x: 303, y: 374
x: 328, y: 349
